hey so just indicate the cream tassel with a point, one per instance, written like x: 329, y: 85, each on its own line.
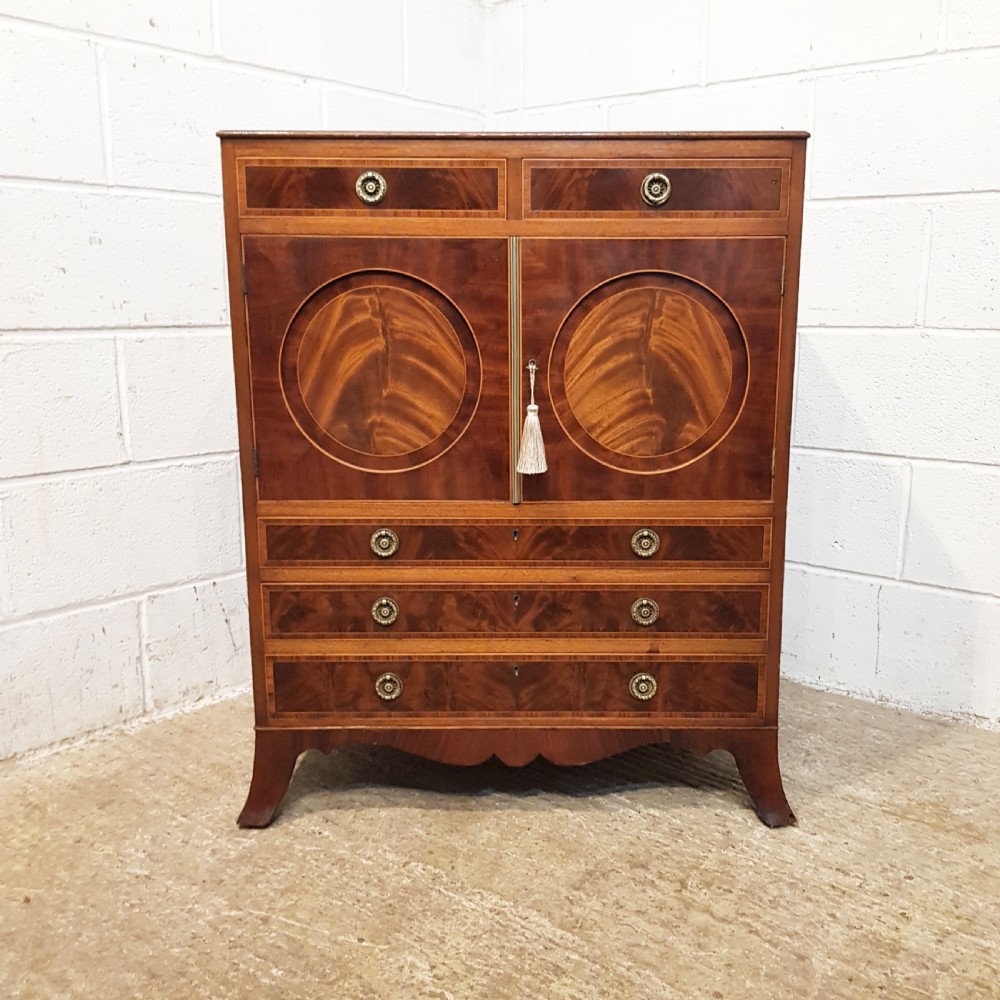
x: 531, y: 457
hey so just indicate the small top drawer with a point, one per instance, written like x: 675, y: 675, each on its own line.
x: 372, y: 187
x: 655, y: 188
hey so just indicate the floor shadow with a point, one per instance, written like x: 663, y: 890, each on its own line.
x: 357, y: 768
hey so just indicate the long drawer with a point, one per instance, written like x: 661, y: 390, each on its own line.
x: 733, y: 543
x: 391, y: 687
x: 731, y: 611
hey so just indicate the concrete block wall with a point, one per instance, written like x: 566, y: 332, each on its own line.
x: 892, y: 588
x: 121, y: 591
x: 120, y: 553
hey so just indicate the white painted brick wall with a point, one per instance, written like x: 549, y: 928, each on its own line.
x: 576, y: 52
x: 963, y: 282
x: 58, y: 132
x: 862, y: 263
x: 857, y: 526
x: 445, y: 45
x: 196, y: 641
x: 124, y: 531
x: 748, y: 40
x: 925, y: 129
x: 172, y: 24
x: 172, y: 144
x: 58, y: 405
x: 113, y: 306
x: 942, y: 644
x: 66, y: 674
x: 180, y: 393
x: 830, y: 633
x: 885, y: 406
x: 121, y: 588
x: 781, y: 103
x: 953, y: 531
x: 352, y: 111
x: 359, y: 44
x: 93, y: 258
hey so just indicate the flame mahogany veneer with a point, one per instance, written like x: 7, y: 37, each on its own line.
x: 407, y: 588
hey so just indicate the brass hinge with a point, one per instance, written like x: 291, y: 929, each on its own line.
x: 774, y: 459
x: 782, y: 281
x: 255, y: 463
x: 243, y: 276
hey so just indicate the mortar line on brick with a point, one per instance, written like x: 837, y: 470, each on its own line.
x: 811, y: 126
x: 486, y: 73
x: 942, y: 26
x: 124, y: 427
x: 832, y: 571
x: 5, y: 587
x: 920, y: 462
x: 896, y: 457
x: 104, y: 113
x: 925, y: 269
x: 986, y: 194
x: 865, y: 456
x: 211, y: 61
x: 147, y: 684
x: 804, y: 74
x: 854, y: 68
x: 706, y: 48
x: 972, y: 332
x: 904, y: 523
x: 527, y: 113
x: 795, y: 390
x: 95, y: 471
x: 400, y: 100
x: 99, y: 603
x: 58, y: 333
x: 404, y: 48
x: 215, y: 26
x: 111, y: 190
x: 388, y: 96
x: 522, y: 89
x: 487, y: 63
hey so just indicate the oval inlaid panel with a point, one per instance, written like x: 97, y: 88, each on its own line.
x: 648, y: 371
x: 380, y: 371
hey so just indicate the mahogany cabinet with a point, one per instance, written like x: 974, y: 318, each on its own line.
x: 408, y: 587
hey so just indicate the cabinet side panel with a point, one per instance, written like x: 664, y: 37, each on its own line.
x: 244, y: 412
x: 783, y: 424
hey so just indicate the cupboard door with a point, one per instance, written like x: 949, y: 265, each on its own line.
x: 379, y: 367
x: 658, y: 366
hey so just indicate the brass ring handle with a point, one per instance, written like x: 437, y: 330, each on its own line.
x: 384, y: 543
x: 642, y: 686
x: 371, y: 187
x: 645, y: 543
x: 645, y: 611
x: 388, y: 686
x: 655, y: 189
x: 385, y: 611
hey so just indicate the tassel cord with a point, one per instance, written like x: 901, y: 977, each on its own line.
x: 531, y: 456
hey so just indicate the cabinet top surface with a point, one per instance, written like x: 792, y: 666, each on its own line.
x: 519, y: 136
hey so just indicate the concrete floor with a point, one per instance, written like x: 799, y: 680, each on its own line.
x: 123, y: 873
